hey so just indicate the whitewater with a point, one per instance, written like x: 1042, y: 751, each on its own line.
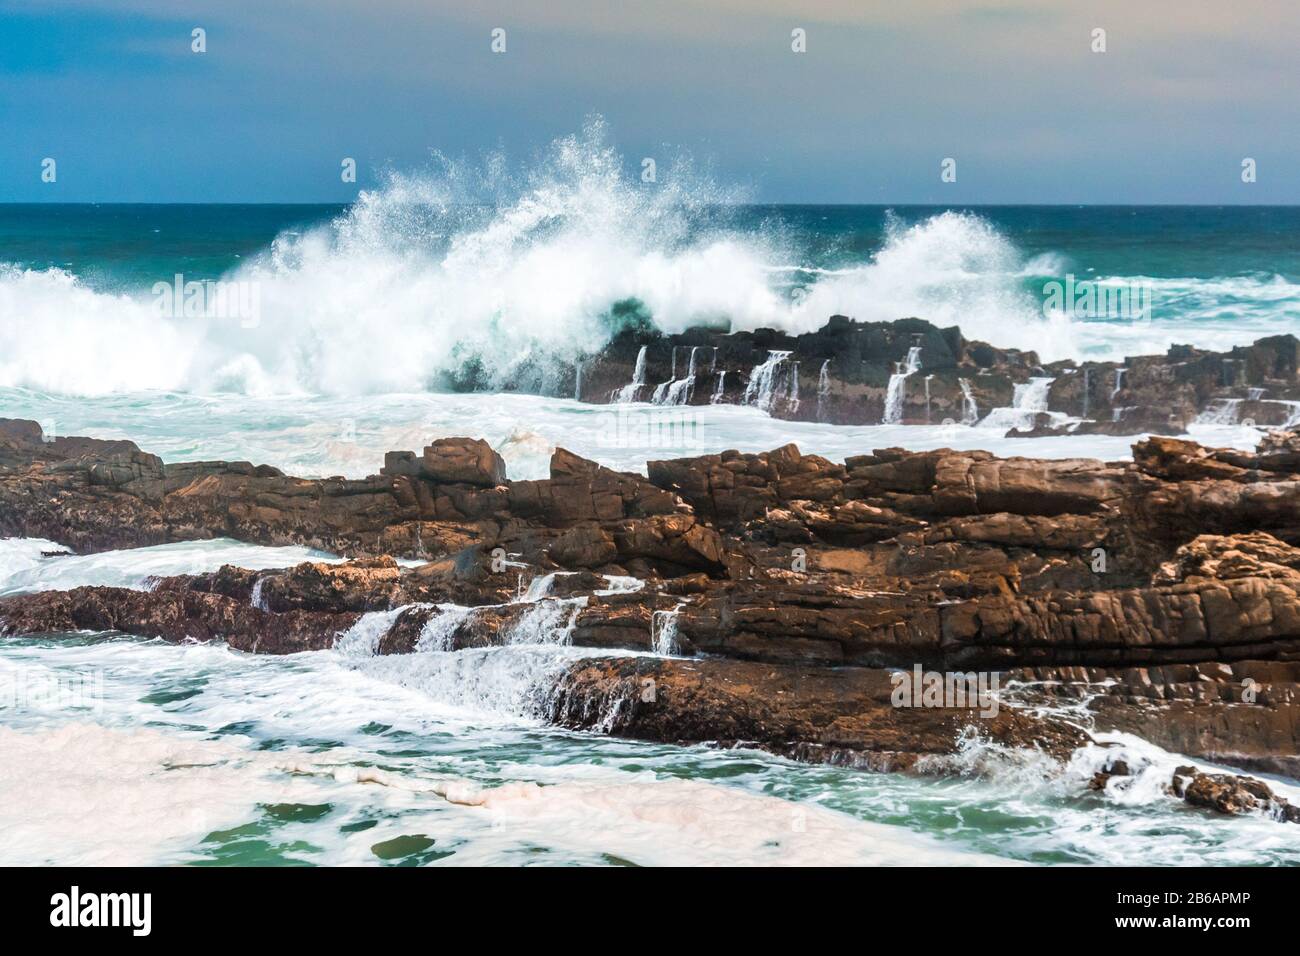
x: 474, y: 265
x: 198, y: 753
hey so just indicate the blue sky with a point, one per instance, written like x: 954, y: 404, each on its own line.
x: 1185, y: 90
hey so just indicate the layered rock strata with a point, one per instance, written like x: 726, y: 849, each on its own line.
x: 1160, y: 596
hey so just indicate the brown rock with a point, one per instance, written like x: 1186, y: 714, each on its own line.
x: 463, y: 461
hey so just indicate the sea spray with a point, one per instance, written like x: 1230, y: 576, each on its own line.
x: 479, y: 279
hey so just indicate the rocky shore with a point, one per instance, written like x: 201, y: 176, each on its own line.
x: 776, y: 597
x: 912, y: 372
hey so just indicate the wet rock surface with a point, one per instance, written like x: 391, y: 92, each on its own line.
x: 1231, y: 794
x: 842, y: 373
x: 1161, y: 595
x: 843, y: 716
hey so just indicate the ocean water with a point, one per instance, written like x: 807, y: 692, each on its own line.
x: 199, y: 754
x: 361, y: 318
x: 459, y: 264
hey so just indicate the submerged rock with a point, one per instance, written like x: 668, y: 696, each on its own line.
x: 1231, y: 794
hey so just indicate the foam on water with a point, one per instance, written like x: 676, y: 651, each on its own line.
x: 82, y: 794
x: 23, y: 569
x: 320, y: 757
x: 306, y: 437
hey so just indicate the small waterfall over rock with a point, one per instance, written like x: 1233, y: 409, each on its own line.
x: 1222, y: 412
x: 516, y: 681
x: 1119, y: 382
x: 539, y: 587
x: 717, y: 392
x: 678, y: 391
x: 767, y: 384
x: 823, y: 390
x: 628, y: 392
x: 256, y: 599
x: 1087, y: 391
x: 663, y: 631
x: 894, y: 394
x: 362, y: 638
x: 1027, y: 402
x: 549, y: 621
x: 439, y: 631
x: 970, y: 411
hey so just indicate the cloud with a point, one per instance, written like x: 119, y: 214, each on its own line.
x: 883, y: 88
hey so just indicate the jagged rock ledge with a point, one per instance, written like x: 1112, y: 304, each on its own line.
x: 912, y: 372
x: 1164, y: 592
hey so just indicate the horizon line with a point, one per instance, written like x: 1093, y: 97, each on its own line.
x: 820, y: 205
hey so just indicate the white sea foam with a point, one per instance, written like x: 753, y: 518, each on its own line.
x: 448, y: 745
x: 464, y: 264
x: 301, y: 438
x: 86, y: 795
x: 687, y: 823
x: 23, y: 569
x: 953, y: 269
